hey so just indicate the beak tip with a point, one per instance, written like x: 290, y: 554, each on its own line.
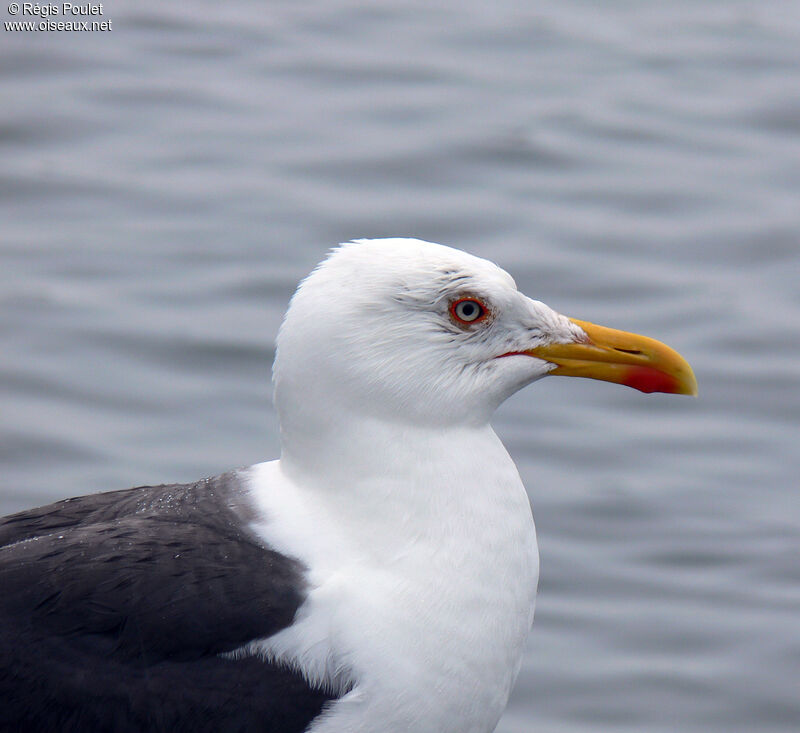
x: 689, y: 383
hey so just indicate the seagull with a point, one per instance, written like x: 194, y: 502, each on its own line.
x: 380, y: 576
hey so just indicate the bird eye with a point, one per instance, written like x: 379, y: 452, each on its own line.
x: 467, y: 310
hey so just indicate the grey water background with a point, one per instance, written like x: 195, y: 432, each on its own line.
x: 163, y: 187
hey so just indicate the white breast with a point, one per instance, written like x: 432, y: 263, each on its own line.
x: 423, y: 574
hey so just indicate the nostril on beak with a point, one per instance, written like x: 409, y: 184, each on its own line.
x: 635, y: 352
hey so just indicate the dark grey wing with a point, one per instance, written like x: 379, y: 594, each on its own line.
x: 115, y: 610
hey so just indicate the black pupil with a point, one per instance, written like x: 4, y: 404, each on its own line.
x: 469, y: 310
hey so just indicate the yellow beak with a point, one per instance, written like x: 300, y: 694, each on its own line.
x: 624, y: 358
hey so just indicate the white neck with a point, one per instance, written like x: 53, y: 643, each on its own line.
x: 423, y: 567
x: 395, y: 476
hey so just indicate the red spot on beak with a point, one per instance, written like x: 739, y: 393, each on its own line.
x: 647, y: 379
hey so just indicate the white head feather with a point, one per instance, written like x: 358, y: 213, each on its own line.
x: 370, y: 331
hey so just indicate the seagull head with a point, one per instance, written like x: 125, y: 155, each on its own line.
x: 407, y: 330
